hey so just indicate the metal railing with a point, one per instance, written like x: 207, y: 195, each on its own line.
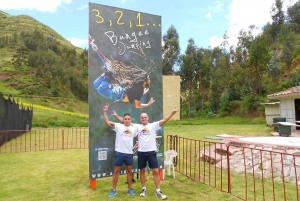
x: 248, y: 173
x: 14, y: 141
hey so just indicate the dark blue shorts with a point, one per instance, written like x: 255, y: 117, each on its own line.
x: 121, y: 158
x: 150, y: 157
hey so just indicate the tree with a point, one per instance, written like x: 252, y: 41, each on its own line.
x: 187, y: 74
x: 65, y: 85
x: 293, y: 16
x: 48, y: 79
x: 278, y: 17
x: 236, y: 81
x: 273, y: 66
x: 287, y: 39
x: 259, y: 57
x: 296, y: 61
x: 171, y: 51
x: 242, y: 50
x: 220, y: 79
x: 20, y: 57
x: 203, y: 74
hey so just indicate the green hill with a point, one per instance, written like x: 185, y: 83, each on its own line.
x: 39, y: 65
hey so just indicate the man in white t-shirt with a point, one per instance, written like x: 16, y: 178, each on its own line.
x: 123, y: 147
x: 147, y: 149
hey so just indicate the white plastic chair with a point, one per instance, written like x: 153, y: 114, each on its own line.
x: 169, y: 156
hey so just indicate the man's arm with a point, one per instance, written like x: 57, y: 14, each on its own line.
x: 138, y: 103
x: 115, y: 115
x: 107, y: 122
x: 165, y: 119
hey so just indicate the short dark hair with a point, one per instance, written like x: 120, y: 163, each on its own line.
x: 126, y: 114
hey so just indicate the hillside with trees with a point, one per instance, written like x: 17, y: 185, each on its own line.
x: 225, y: 80
x: 234, y: 80
x: 35, y: 60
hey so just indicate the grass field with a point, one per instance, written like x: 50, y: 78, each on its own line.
x: 63, y: 174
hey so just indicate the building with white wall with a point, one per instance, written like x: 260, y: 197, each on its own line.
x: 289, y: 106
x: 171, y: 93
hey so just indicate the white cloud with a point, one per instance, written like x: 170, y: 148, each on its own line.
x: 219, y: 5
x: 208, y: 15
x: 124, y: 1
x: 78, y: 42
x: 44, y: 5
x: 215, y: 41
x: 243, y: 13
x: 82, y: 7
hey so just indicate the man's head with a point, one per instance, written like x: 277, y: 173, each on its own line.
x: 127, y: 119
x: 144, y: 118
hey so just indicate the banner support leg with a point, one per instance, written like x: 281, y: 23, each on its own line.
x: 93, y: 184
x: 161, y: 174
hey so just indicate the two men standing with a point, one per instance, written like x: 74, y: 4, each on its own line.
x: 146, y: 133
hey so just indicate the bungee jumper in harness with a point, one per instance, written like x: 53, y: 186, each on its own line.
x: 131, y: 84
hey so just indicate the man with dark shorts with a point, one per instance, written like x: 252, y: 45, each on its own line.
x: 147, y: 151
x: 123, y: 147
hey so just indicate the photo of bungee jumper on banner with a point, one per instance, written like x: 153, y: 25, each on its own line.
x: 125, y: 71
x: 130, y: 82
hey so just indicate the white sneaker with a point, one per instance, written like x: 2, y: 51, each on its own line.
x: 160, y: 195
x: 143, y: 193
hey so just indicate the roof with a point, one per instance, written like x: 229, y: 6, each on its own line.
x: 294, y: 91
x: 272, y: 103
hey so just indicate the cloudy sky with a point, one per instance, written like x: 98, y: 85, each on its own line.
x: 205, y: 21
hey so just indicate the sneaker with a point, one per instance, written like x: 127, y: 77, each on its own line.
x: 143, y: 193
x: 130, y: 192
x: 112, y: 193
x: 160, y: 195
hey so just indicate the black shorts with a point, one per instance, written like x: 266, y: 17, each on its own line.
x: 150, y: 157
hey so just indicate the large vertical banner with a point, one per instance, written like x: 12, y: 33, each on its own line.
x: 125, y: 57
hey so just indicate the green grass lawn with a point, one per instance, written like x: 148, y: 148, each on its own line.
x: 63, y: 175
x: 201, y: 131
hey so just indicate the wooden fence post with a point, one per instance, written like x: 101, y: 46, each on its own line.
x: 62, y: 139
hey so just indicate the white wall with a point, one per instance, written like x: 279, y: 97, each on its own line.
x: 171, y: 95
x: 271, y: 111
x: 287, y: 110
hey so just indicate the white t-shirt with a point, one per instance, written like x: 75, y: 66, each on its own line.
x: 124, y: 138
x: 146, y: 136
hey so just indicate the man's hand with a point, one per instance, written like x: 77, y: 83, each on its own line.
x: 151, y: 101
x: 114, y: 114
x: 175, y: 110
x: 105, y: 108
x: 165, y: 119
